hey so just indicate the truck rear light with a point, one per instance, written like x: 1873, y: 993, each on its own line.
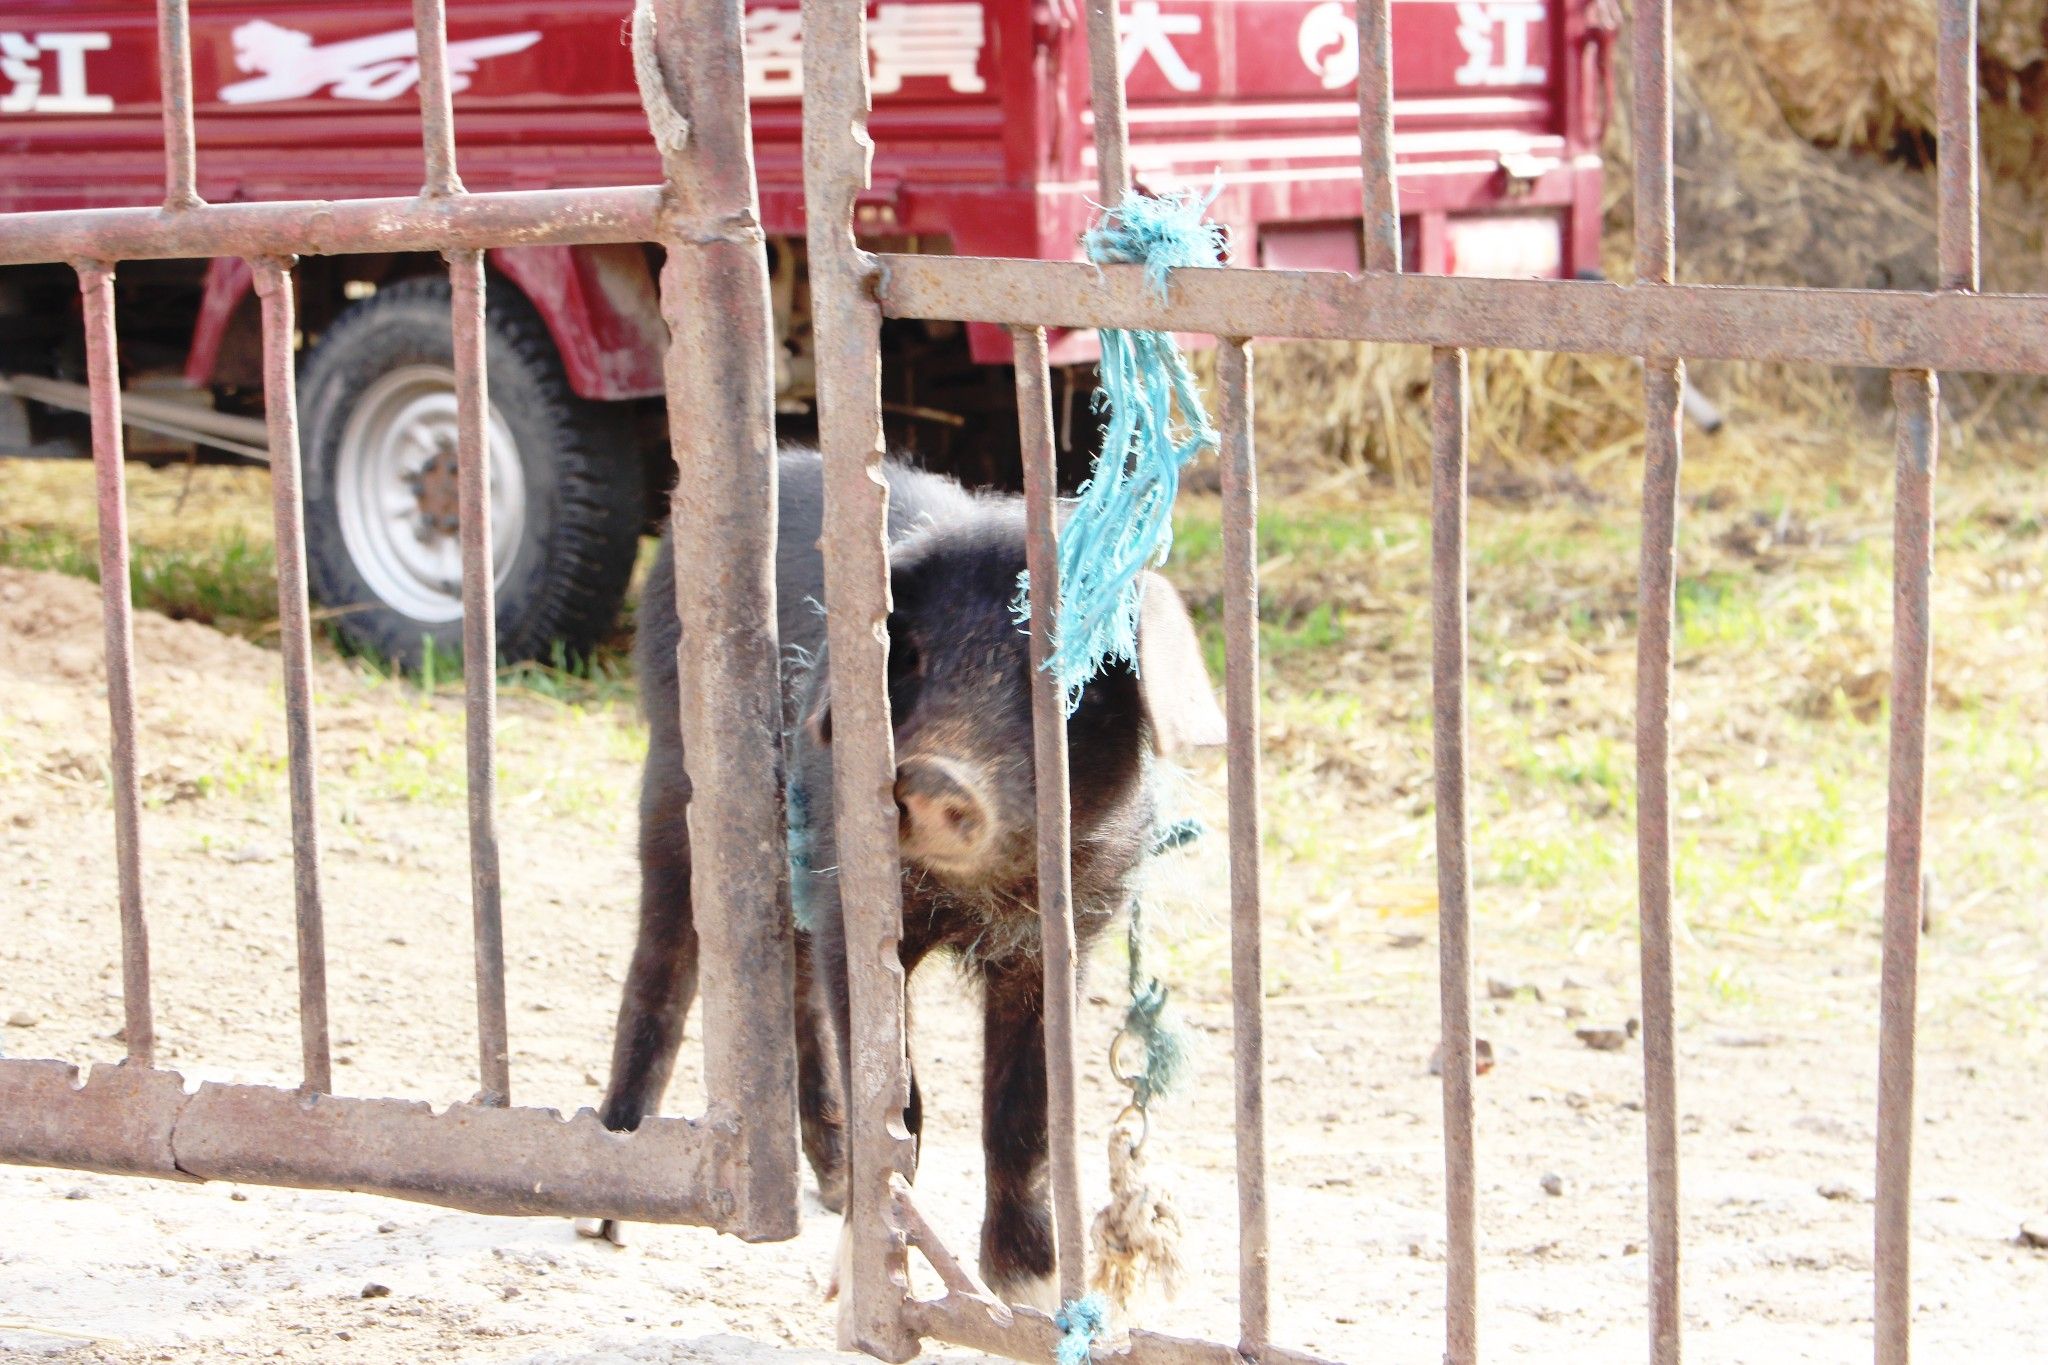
x: 1505, y: 246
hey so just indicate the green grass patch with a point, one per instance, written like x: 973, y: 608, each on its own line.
x: 230, y: 584
x: 1290, y: 532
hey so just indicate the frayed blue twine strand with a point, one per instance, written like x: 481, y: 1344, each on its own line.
x: 1080, y: 1323
x: 1122, y: 523
x: 1146, y: 1019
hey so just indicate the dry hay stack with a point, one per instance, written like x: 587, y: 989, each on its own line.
x: 1803, y: 142
x: 1861, y: 73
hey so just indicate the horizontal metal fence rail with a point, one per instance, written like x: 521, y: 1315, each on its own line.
x: 735, y: 1169
x: 1656, y: 319
x: 1992, y: 333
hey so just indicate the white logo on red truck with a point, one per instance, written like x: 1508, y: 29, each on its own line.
x: 289, y: 65
x: 1496, y: 36
x: 1328, y: 43
x: 46, y: 73
x: 939, y: 42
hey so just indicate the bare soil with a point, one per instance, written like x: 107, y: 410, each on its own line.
x: 1778, y: 1063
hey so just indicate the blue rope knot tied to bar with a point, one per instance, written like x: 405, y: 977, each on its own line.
x: 1122, y: 523
x: 1146, y: 1021
x: 1080, y: 1323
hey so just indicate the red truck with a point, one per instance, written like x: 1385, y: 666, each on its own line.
x: 984, y: 147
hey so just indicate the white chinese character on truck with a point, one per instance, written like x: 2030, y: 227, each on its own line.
x: 941, y: 42
x: 47, y: 73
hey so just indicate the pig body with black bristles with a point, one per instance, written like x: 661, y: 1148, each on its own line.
x: 960, y: 699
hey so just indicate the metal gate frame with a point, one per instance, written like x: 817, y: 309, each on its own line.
x: 1657, y: 319
x: 735, y: 1169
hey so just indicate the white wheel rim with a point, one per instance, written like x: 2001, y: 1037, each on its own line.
x: 394, y: 493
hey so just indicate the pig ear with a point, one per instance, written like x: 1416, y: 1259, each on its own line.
x: 1171, y: 676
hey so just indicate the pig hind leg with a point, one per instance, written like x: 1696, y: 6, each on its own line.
x: 660, y: 985
x: 821, y: 1102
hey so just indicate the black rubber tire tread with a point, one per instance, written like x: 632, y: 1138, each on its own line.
x: 584, y: 479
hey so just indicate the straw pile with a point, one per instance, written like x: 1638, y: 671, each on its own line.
x: 1861, y: 73
x: 1803, y: 138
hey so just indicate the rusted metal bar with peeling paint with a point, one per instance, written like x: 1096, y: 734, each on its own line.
x: 336, y: 227
x: 1916, y: 395
x: 437, y: 101
x: 719, y: 374
x: 1055, y: 809
x: 1450, y: 425
x: 1878, y: 329
x: 1657, y: 612
x: 847, y: 325
x: 479, y: 673
x: 103, y: 374
x: 1376, y: 134
x: 1241, y: 689
x: 134, y: 1120
x: 273, y: 281
x: 174, y: 74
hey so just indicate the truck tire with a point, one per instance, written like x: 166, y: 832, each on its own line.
x: 377, y: 400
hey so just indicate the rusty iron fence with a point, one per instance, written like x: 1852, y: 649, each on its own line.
x: 1914, y: 335
x: 735, y: 1168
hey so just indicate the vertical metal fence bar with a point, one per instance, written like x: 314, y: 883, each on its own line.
x: 1916, y: 394
x: 437, y: 103
x: 295, y: 642
x: 1651, y: 76
x: 479, y: 667
x: 1449, y: 384
x: 1664, y: 393
x: 1376, y: 135
x: 1055, y: 835
x: 847, y: 323
x: 1242, y: 686
x: 720, y: 376
x: 1106, y: 98
x: 1657, y: 605
x: 1956, y: 100
x: 103, y: 375
x: 174, y: 76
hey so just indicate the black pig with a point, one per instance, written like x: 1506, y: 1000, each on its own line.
x: 959, y: 682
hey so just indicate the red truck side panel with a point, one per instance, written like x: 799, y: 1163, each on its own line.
x: 600, y: 305
x: 603, y: 309
x: 228, y: 283
x: 981, y: 125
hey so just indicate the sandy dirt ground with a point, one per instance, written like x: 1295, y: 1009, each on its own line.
x: 1778, y: 1086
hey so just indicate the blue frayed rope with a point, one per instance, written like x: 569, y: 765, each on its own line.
x: 1122, y: 523
x: 1145, y: 1018
x: 1080, y: 1323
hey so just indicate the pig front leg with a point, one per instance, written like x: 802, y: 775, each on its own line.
x: 1016, y: 1228
x: 662, y: 980
x: 832, y: 1003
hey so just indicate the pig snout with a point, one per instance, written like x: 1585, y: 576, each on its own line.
x: 944, y: 818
